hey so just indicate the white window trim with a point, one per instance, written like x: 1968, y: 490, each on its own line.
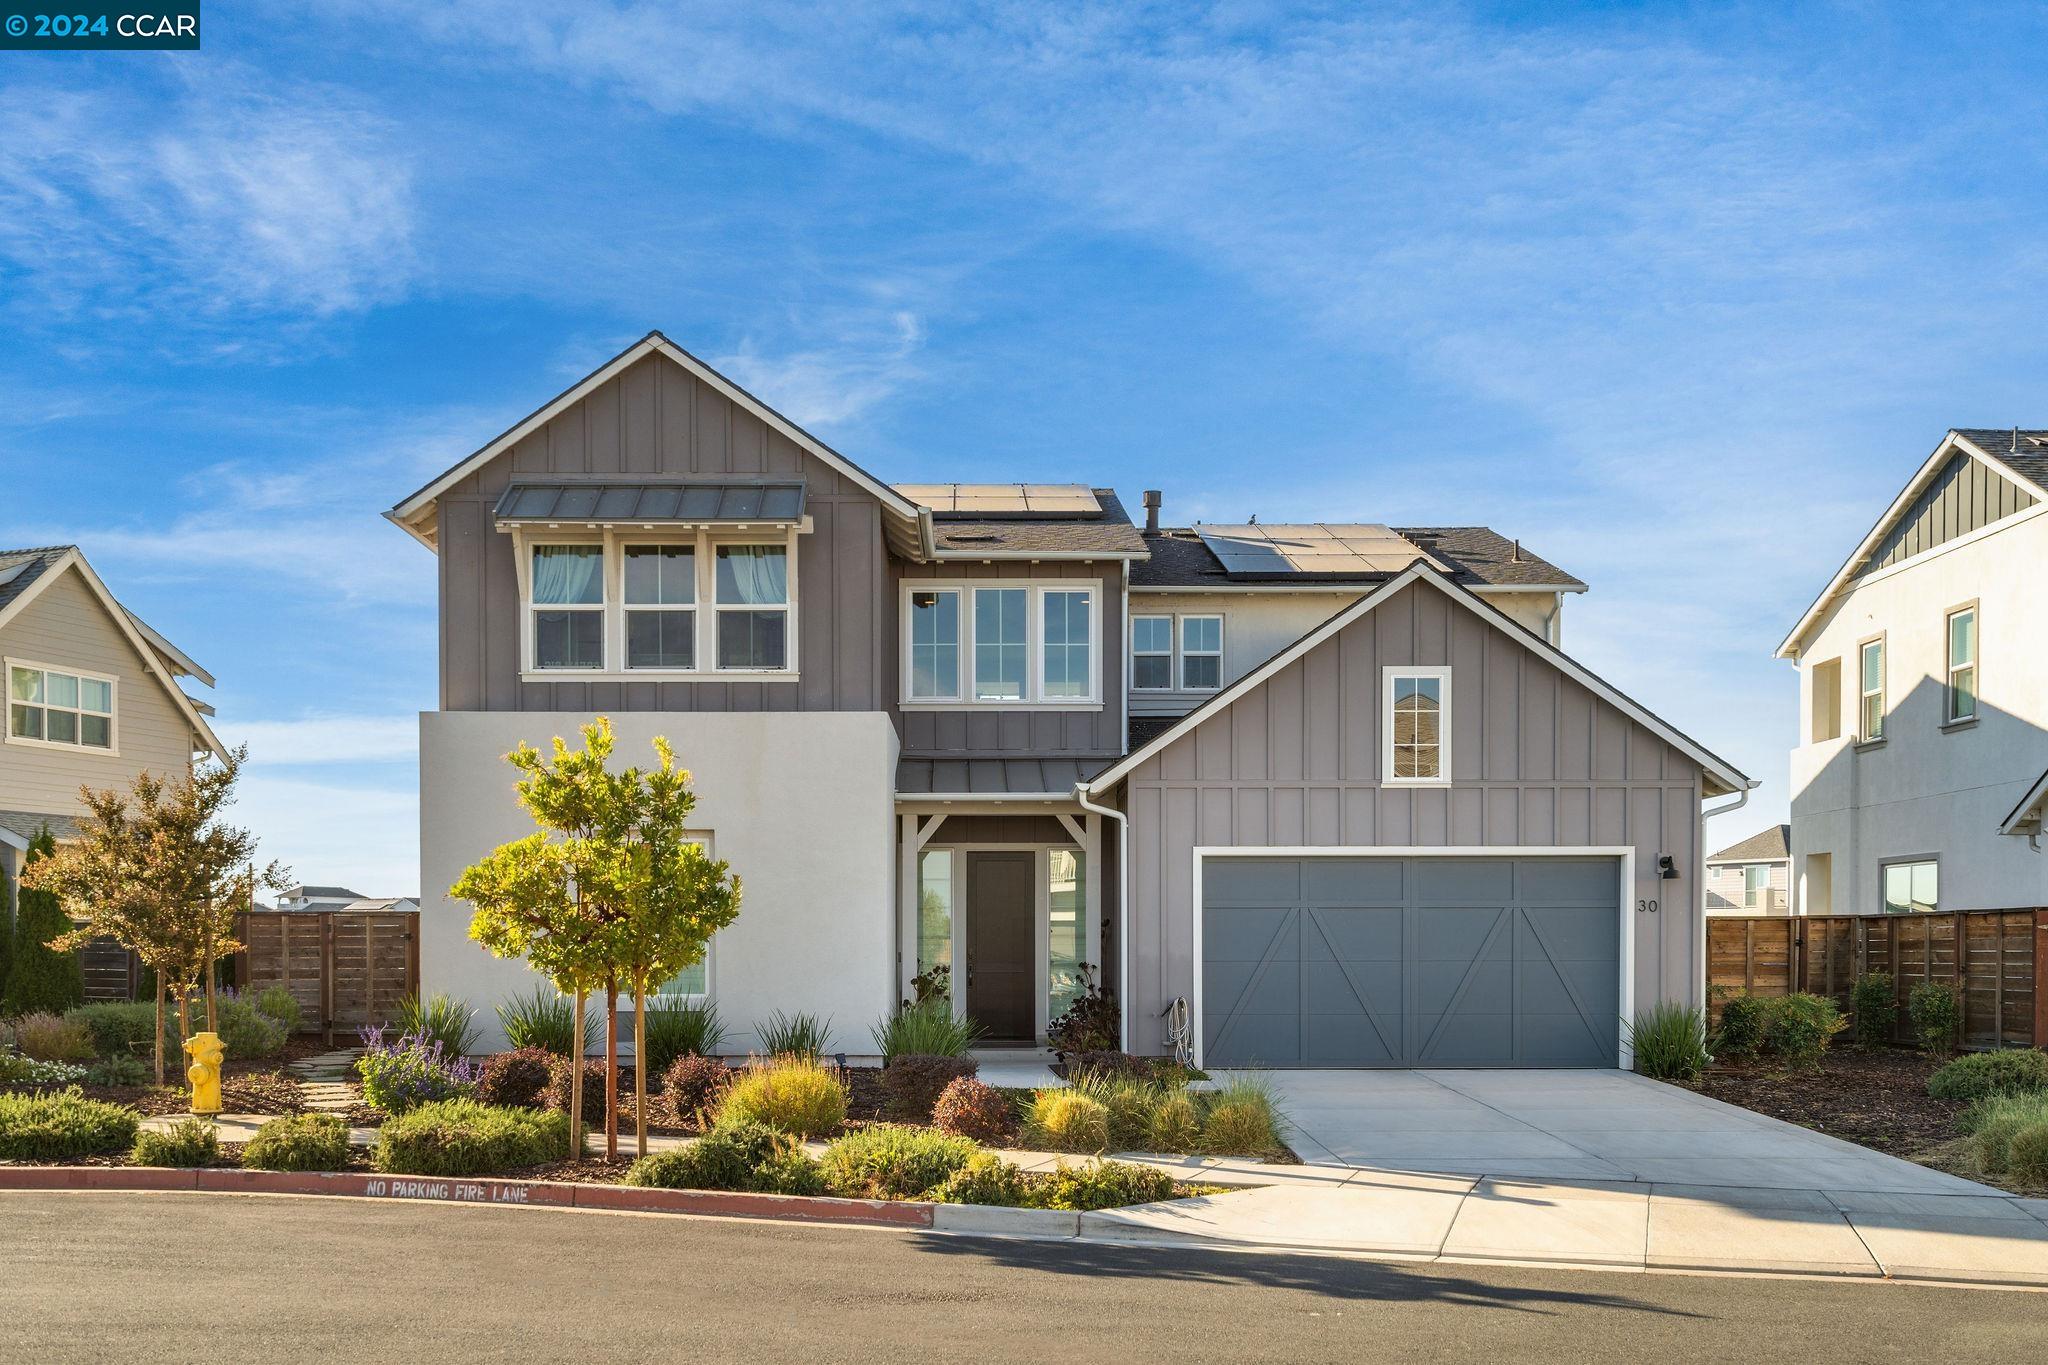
x: 1949, y: 719
x: 113, y: 749
x: 1034, y: 698
x: 706, y: 541
x: 1172, y: 663
x: 1387, y: 676
x: 1752, y: 895
x: 1885, y: 865
x: 616, y: 565
x: 1183, y: 653
x: 960, y: 664
x: 1863, y: 736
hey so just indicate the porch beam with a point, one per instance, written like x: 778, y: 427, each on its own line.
x: 1073, y: 827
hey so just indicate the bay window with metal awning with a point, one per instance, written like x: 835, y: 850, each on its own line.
x: 656, y: 580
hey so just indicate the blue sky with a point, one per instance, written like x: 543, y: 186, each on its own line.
x: 1679, y: 295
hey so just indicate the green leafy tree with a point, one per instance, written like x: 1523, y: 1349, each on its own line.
x: 608, y: 893
x: 45, y: 974
x: 6, y: 931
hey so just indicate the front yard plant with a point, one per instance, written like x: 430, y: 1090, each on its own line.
x: 2028, y: 1161
x: 800, y: 1035
x: 440, y: 1019
x: 299, y: 1142
x: 1093, y: 1023
x: 517, y: 1078
x: 414, y: 1069
x: 925, y: 1029
x: 1876, y: 1007
x: 914, y: 1081
x: 692, y: 1087
x: 675, y: 1026
x: 2014, y: 1071
x: 189, y: 1142
x: 733, y: 1156
x: 247, y: 1031
x: 1669, y: 1041
x: 1936, y: 1012
x: 972, y: 1109
x: 1175, y: 1124
x: 463, y: 1137
x: 985, y: 1179
x: 1066, y: 1120
x: 1100, y: 1185
x: 1243, y: 1118
x: 59, y: 1125
x: 47, y: 1038
x: 1796, y: 1028
x: 544, y: 1018
x: 892, y: 1161
x: 16, y: 1069
x: 1993, y: 1124
x: 788, y: 1094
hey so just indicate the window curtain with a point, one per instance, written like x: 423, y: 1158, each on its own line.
x: 568, y: 574
x: 754, y: 574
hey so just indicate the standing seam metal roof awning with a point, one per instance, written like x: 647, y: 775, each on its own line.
x: 751, y: 500
x: 1021, y: 779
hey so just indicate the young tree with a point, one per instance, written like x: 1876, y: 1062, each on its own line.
x: 156, y: 869
x: 46, y: 974
x: 608, y: 891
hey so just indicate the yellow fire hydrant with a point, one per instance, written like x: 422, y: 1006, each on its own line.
x: 206, y: 1053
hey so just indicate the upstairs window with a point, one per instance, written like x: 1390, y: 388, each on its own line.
x: 568, y: 606
x: 935, y: 644
x: 1151, y: 653
x: 997, y: 644
x: 1756, y: 884
x: 1416, y: 720
x: 661, y: 606
x: 1068, y: 645
x: 1001, y: 648
x: 1870, y: 706
x: 49, y: 706
x: 1961, y: 702
x: 1827, y: 701
x: 753, y: 607
x: 1201, y: 653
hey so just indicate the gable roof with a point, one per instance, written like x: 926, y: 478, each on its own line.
x: 161, y: 664
x: 2031, y: 813
x: 1773, y: 845
x: 1716, y: 769
x: 909, y: 525
x: 2027, y: 466
x: 1476, y: 556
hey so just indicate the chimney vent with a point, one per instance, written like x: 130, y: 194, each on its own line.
x: 1515, y: 555
x: 1152, y: 501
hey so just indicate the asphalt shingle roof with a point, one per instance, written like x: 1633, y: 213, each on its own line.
x: 1475, y: 556
x: 32, y: 563
x: 2030, y: 461
x: 28, y: 824
x: 1770, y: 845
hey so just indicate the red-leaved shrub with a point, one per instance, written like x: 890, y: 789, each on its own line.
x: 517, y: 1078
x: 971, y: 1109
x: 690, y: 1089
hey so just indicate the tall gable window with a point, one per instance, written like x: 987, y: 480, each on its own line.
x: 52, y: 706
x: 1870, y: 693
x: 1961, y: 704
x: 996, y: 644
x: 1068, y: 645
x: 1415, y: 722
x: 1001, y: 648
x: 753, y: 607
x: 661, y: 606
x: 568, y: 606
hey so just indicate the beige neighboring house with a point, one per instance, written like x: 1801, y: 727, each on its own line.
x: 1753, y: 877
x: 94, y: 696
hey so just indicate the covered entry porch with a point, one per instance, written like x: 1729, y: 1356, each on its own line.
x: 999, y: 907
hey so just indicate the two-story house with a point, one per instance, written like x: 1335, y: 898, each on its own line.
x: 1334, y: 787
x: 1923, y: 695
x: 1752, y: 876
x: 94, y: 697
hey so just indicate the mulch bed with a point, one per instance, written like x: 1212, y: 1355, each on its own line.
x: 251, y: 1092
x: 1873, y: 1096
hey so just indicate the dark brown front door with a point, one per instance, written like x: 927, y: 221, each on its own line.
x: 1000, y: 975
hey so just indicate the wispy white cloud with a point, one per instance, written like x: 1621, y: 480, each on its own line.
x: 360, y: 835
x: 824, y: 386
x: 325, y: 739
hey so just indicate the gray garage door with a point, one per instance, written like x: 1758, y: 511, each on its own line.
x: 1410, y: 962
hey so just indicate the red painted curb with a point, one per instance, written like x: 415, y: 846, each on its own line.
x: 453, y: 1190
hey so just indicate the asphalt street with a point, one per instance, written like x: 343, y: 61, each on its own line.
x: 119, y: 1277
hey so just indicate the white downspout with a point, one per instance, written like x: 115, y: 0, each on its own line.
x: 1699, y: 944
x: 1123, y: 911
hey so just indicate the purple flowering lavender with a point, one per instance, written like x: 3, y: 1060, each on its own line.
x: 411, y: 1071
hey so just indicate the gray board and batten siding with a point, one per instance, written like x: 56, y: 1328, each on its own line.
x: 1965, y: 496
x: 1538, y: 760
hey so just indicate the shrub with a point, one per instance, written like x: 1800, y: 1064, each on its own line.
x: 41, y: 978
x: 968, y: 1108
x: 1091, y: 1024
x: 1800, y: 1026
x: 1741, y: 1032
x: 16, y: 1069
x: 191, y: 1142
x: 691, y: 1087
x: 299, y: 1142
x: 1876, y: 1007
x: 44, y: 1037
x: 913, y: 1083
x: 280, y: 1004
x: 890, y: 1161
x: 121, y: 1030
x: 1128, y: 1103
x: 675, y: 1027
x: 117, y: 1070
x: 1243, y: 1118
x: 544, y: 1018
x: 787, y: 1094
x: 1670, y: 1042
x: 1992, y: 1123
x: 985, y: 1179
x: 442, y: 1019
x: 560, y: 1074
x: 63, y: 1124
x: 2017, y: 1071
x: 462, y: 1137
x: 1176, y: 1125
x: 737, y: 1156
x: 1936, y: 1012
x: 246, y: 1031
x: 2028, y: 1161
x: 516, y: 1079
x: 1108, y: 1063
x: 926, y: 1029
x: 1066, y: 1120
x: 1100, y: 1185
x: 413, y: 1070
x: 795, y: 1035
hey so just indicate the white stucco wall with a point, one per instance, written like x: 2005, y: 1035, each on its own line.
x: 800, y: 803
x: 1929, y: 790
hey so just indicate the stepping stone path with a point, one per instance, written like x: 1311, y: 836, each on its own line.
x: 323, y: 1080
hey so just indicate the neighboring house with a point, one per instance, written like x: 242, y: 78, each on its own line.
x: 1753, y: 877
x: 1923, y: 695
x: 1375, y: 817
x: 93, y: 696
x: 303, y: 897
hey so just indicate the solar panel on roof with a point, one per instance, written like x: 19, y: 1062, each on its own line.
x: 1005, y: 499
x: 1310, y: 550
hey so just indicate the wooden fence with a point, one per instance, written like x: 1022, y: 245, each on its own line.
x: 346, y: 968
x: 1997, y: 960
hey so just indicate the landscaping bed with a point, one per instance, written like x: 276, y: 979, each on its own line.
x: 1875, y: 1097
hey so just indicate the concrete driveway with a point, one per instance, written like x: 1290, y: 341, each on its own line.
x: 1575, y: 1125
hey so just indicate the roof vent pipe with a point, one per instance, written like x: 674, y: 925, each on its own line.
x: 1152, y: 501
x: 1515, y: 554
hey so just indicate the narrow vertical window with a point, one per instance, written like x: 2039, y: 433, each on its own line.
x: 1962, y: 665
x: 1001, y: 650
x: 1151, y: 653
x: 1066, y: 645
x: 1870, y: 709
x: 935, y: 644
x: 1756, y: 884
x: 693, y: 981
x: 568, y: 606
x: 1201, y: 653
x: 1416, y: 717
x: 1066, y: 897
x: 753, y: 607
x: 661, y: 606
x: 935, y: 916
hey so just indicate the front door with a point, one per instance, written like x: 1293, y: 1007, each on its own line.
x: 1001, y: 971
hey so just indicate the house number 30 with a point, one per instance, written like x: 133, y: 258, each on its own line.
x: 1646, y: 907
